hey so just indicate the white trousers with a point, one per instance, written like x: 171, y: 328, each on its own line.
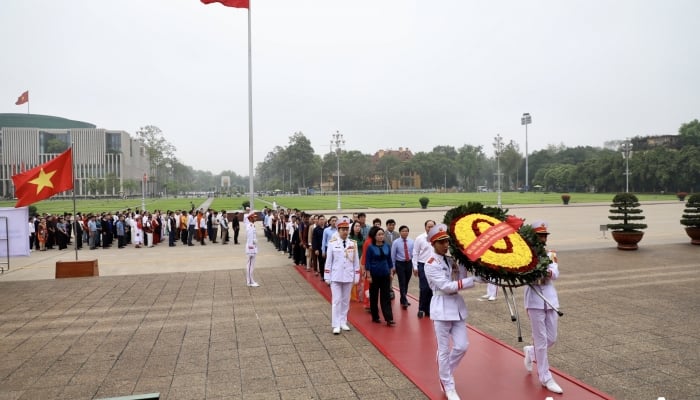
x: 491, y: 290
x: 544, y: 335
x: 249, y: 267
x: 448, y: 359
x: 340, y: 303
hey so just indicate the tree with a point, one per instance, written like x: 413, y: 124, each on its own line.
x: 469, y: 165
x: 160, y: 152
x: 129, y: 186
x: 55, y: 145
x: 111, y: 184
x: 690, y: 133
x: 510, y: 163
x: 388, y: 168
x: 94, y: 186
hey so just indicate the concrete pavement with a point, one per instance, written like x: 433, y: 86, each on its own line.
x: 180, y: 321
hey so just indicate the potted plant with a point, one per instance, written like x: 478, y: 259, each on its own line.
x: 627, y: 215
x: 691, y: 218
x: 681, y: 195
x: 424, y: 202
x: 565, y: 198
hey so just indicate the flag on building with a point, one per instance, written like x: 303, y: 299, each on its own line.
x: 23, y: 98
x: 230, y: 3
x: 45, y: 180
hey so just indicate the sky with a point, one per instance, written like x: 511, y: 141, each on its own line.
x: 386, y: 74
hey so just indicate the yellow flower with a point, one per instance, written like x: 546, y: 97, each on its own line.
x: 510, y: 252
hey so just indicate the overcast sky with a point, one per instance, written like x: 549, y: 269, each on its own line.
x: 385, y: 73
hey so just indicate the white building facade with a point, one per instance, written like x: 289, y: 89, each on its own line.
x: 105, y: 162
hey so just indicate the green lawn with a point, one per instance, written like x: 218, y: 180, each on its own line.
x: 369, y: 201
x: 52, y: 206
x: 330, y: 201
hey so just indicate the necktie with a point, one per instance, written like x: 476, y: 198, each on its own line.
x: 343, y: 243
x: 406, y: 257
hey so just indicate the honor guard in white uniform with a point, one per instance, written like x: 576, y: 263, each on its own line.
x: 543, y: 318
x: 342, y: 270
x: 447, y: 308
x: 251, y: 247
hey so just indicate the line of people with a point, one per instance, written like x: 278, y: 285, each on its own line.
x: 346, y: 252
x: 138, y: 228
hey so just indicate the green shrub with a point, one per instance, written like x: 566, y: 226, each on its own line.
x: 691, y: 213
x: 625, y: 208
x: 424, y: 202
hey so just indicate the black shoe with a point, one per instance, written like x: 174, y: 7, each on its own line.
x: 390, y: 323
x: 376, y: 321
x: 421, y: 314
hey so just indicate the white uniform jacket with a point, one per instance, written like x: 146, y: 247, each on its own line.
x: 251, y: 244
x: 532, y: 300
x: 342, y: 263
x: 447, y: 304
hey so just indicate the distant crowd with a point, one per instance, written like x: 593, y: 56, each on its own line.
x: 137, y: 228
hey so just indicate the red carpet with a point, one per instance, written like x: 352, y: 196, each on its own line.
x: 491, y: 369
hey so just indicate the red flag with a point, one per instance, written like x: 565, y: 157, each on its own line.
x: 230, y: 3
x: 23, y: 98
x: 45, y: 180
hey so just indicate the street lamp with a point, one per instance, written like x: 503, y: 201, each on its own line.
x: 143, y: 192
x: 337, y: 142
x: 526, y: 120
x: 498, y: 146
x: 627, y: 154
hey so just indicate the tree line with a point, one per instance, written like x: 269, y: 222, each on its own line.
x: 666, y: 167
x: 653, y: 167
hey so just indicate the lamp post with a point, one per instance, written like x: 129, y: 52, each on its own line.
x: 337, y: 142
x: 143, y: 192
x: 498, y: 146
x: 627, y: 154
x: 526, y: 120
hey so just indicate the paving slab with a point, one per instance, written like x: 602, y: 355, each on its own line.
x: 180, y: 320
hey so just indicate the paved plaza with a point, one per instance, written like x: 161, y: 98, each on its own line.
x: 181, y: 321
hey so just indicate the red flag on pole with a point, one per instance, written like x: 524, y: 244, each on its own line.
x: 230, y: 3
x: 45, y: 180
x: 23, y: 98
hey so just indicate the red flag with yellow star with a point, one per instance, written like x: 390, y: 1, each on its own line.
x: 44, y: 181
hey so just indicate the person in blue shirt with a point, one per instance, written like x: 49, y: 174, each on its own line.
x: 401, y: 250
x: 380, y: 269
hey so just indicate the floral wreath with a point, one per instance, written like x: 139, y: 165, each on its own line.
x: 496, y: 246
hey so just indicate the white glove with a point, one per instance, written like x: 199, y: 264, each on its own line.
x: 478, y: 279
x: 467, y: 283
x: 356, y: 280
x: 328, y: 282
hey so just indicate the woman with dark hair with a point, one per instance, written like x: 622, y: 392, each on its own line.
x: 380, y: 269
x: 358, y: 290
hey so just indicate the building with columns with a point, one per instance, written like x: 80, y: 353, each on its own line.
x: 106, y: 162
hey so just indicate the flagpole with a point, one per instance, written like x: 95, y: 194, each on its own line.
x: 250, y: 113
x: 75, y: 214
